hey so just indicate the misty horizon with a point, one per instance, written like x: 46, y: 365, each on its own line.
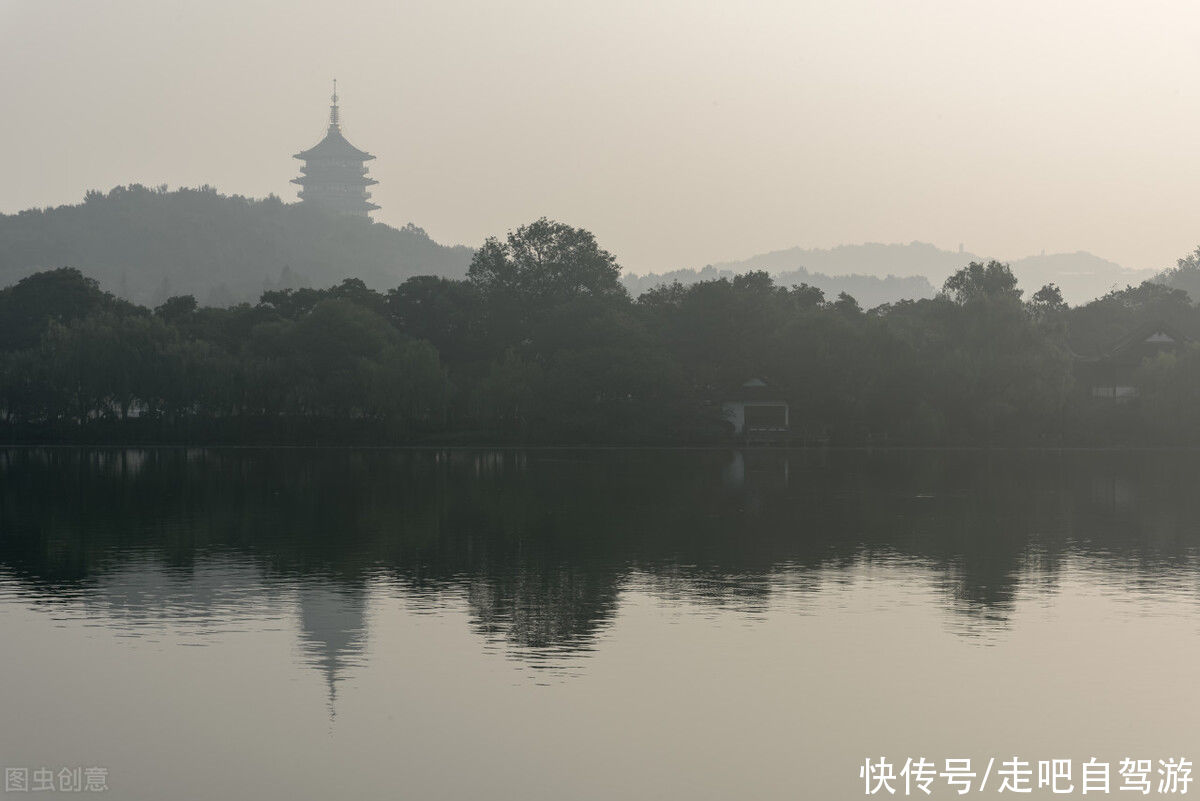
x: 769, y: 126
x: 891, y: 271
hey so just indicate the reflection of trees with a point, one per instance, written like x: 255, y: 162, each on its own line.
x: 541, y: 542
x: 555, y: 609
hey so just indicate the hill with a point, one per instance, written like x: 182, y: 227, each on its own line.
x: 868, y: 290
x: 1081, y: 276
x: 145, y: 244
x: 871, y: 258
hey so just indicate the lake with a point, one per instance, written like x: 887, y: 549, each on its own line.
x: 589, y: 624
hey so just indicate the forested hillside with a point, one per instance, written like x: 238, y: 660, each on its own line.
x: 147, y: 244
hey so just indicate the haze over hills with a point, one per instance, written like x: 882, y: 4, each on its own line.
x: 146, y: 244
x: 872, y: 258
x: 868, y: 290
x: 877, y: 273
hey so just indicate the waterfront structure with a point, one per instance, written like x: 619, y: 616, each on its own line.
x: 1114, y: 376
x: 756, y: 411
x: 334, y: 175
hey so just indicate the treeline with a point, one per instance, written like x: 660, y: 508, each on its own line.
x: 541, y: 343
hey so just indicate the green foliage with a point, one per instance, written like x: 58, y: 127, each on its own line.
x: 545, y: 262
x: 444, y: 312
x: 176, y: 308
x: 981, y: 282
x: 541, y: 343
x: 1099, y: 325
x: 507, y: 396
x: 1171, y: 394
x: 62, y: 295
x: 1184, y: 276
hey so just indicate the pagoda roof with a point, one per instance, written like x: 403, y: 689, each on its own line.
x: 334, y: 145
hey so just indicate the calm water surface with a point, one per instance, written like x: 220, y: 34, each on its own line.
x: 293, y: 624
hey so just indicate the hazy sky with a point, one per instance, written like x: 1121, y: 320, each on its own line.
x: 680, y: 132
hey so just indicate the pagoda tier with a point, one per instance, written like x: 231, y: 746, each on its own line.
x: 334, y: 177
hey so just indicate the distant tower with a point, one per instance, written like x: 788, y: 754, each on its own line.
x: 334, y: 177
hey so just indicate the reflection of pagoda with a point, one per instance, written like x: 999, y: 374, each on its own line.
x: 332, y: 630
x: 333, y: 176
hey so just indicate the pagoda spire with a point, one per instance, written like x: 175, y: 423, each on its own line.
x: 334, y: 175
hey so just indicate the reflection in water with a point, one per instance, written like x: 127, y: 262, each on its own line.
x: 828, y: 566
x: 333, y: 630
x: 541, y: 543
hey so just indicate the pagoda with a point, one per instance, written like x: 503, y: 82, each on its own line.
x: 334, y: 177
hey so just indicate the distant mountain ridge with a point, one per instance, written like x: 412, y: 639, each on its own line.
x: 146, y: 244
x: 911, y: 271
x: 868, y: 290
x: 870, y: 258
x: 1081, y: 276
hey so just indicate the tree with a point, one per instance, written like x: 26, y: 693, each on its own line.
x: 846, y: 304
x: 176, y: 308
x: 1047, y: 306
x: 978, y: 281
x: 1170, y: 385
x: 507, y: 395
x: 330, y: 349
x: 545, y: 262
x: 442, y: 311
x: 61, y: 295
x: 1185, y: 275
x: 1048, y: 299
x: 1099, y: 325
